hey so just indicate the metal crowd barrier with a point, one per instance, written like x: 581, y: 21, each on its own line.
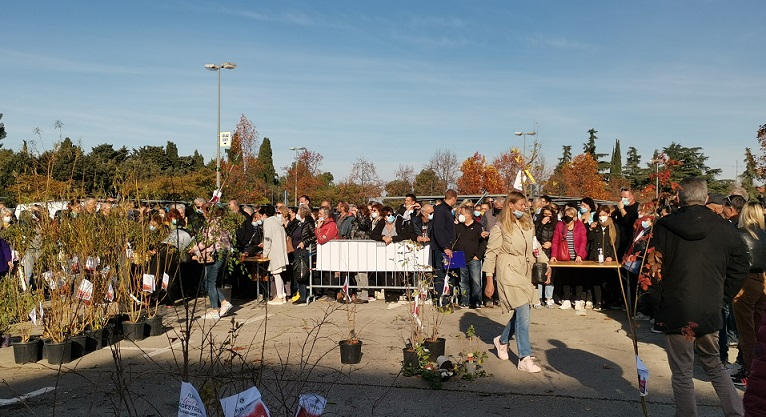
x: 389, y: 267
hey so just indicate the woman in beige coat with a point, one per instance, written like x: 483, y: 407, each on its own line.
x: 510, y: 254
x: 275, y: 249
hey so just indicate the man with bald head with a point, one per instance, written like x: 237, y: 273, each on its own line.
x: 420, y: 226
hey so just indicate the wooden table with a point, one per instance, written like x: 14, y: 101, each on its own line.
x: 584, y: 264
x: 259, y: 274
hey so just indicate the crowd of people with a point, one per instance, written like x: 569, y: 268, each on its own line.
x: 710, y: 249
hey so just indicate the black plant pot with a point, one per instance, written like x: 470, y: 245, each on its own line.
x: 26, y: 352
x: 79, y: 345
x: 350, y: 352
x: 153, y: 326
x: 435, y: 348
x: 133, y: 331
x: 58, y: 353
x: 410, y: 358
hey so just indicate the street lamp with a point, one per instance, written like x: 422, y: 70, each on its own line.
x: 214, y: 67
x: 524, y: 154
x: 296, y: 149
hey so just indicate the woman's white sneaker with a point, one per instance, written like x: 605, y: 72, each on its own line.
x: 528, y: 365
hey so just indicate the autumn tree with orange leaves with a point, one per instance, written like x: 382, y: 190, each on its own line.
x: 240, y: 170
x: 478, y: 176
x: 579, y: 178
x: 508, y: 165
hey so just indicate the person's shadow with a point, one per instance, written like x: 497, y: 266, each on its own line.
x: 592, y: 371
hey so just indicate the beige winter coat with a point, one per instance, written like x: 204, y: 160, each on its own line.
x: 509, y: 257
x: 274, y: 244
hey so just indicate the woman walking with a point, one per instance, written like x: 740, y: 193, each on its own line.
x: 510, y: 253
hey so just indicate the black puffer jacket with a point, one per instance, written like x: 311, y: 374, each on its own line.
x: 544, y: 233
x: 756, y: 249
x: 703, y: 263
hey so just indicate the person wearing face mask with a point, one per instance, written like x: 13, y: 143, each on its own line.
x: 443, y: 239
x: 508, y: 265
x: 570, y: 240
x: 301, y: 231
x: 544, y: 228
x: 391, y: 229
x: 624, y: 217
x: 472, y: 240
x: 603, y: 237
x: 211, y: 250
x: 421, y: 225
x: 345, y: 220
x: 631, y: 262
x: 587, y: 211
x: 275, y: 250
x: 8, y: 218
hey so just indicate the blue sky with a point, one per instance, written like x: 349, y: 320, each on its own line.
x: 390, y: 81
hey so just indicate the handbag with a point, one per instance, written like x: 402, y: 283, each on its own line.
x: 538, y: 273
x: 563, y: 252
x: 290, y: 248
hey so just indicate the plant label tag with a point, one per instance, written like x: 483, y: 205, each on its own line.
x: 109, y: 293
x: 189, y: 403
x: 165, y: 281
x: 85, y: 291
x: 311, y: 405
x: 148, y: 283
x: 245, y: 404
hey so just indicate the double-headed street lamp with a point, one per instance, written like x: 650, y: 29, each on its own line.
x: 214, y: 67
x: 296, y: 149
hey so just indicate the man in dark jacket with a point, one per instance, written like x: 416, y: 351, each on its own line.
x: 443, y: 239
x: 624, y: 217
x: 700, y: 264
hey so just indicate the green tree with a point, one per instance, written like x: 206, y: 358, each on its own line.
x: 615, y: 167
x: 171, y: 153
x: 3, y: 134
x: 268, y: 173
x: 427, y: 182
x: 750, y: 173
x: 590, y: 148
x: 693, y: 163
x: 100, y: 169
x: 566, y: 157
x: 632, y: 170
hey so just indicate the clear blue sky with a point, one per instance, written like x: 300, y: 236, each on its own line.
x: 390, y: 81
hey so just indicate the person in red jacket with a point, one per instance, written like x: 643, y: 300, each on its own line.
x: 327, y: 229
x: 570, y: 241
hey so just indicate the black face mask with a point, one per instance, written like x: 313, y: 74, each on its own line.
x: 496, y: 211
x: 567, y: 219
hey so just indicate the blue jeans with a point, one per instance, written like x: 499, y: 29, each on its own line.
x: 211, y: 276
x: 548, y: 291
x: 519, y: 325
x: 470, y: 283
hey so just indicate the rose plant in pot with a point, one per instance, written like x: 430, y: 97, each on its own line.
x: 351, y: 346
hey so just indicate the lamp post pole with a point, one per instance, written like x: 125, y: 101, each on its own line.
x: 217, y: 68
x: 296, y: 149
x: 524, y: 155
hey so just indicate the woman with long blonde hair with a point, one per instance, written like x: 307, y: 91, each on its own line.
x: 509, y: 260
x: 749, y: 303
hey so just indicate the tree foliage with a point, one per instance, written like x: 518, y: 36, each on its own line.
x: 580, y: 178
x: 427, y: 182
x: 479, y: 176
x: 444, y: 163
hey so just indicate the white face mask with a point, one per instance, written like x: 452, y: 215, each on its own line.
x: 374, y: 214
x: 603, y: 218
x: 279, y: 216
x: 461, y: 218
x: 298, y: 216
x: 7, y: 219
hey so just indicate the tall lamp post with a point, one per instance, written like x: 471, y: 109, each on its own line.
x: 215, y: 67
x: 524, y: 155
x: 296, y: 149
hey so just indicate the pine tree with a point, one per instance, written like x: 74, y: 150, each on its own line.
x: 750, y: 173
x: 632, y: 169
x: 590, y: 148
x: 2, y: 130
x: 268, y: 173
x: 615, y: 168
x: 566, y: 157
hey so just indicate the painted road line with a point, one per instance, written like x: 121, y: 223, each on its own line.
x: 25, y: 397
x: 160, y: 351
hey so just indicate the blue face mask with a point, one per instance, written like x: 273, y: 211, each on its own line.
x: 625, y: 201
x: 518, y: 213
x: 430, y: 216
x: 646, y: 224
x: 583, y: 210
x: 174, y: 221
x: 476, y: 214
x: 453, y: 212
x: 390, y: 218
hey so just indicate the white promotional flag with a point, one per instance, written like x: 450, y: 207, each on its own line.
x: 85, y: 291
x: 520, y: 179
x: 311, y: 405
x: 189, y: 403
x: 148, y: 284
x: 245, y: 404
x: 165, y: 281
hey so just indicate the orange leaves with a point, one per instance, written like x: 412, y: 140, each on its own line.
x: 478, y: 175
x: 580, y: 177
x: 688, y: 331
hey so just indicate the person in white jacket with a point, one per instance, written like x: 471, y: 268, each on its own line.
x: 275, y: 250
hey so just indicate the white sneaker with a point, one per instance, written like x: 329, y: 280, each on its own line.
x: 211, y: 315
x: 588, y: 304
x: 277, y: 301
x: 566, y: 305
x: 579, y: 305
x: 549, y: 303
x: 537, y: 306
x: 502, y: 350
x: 225, y: 307
x: 528, y: 365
